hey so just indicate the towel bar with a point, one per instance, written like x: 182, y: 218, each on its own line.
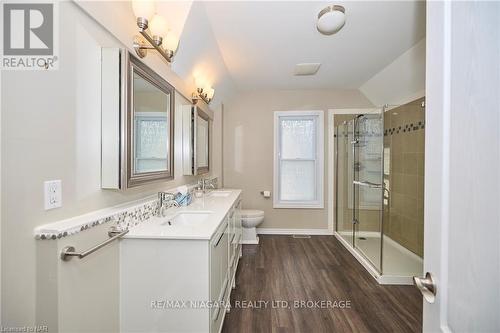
x: 68, y: 252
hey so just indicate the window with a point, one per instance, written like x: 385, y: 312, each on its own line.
x: 298, y: 159
x: 151, y: 146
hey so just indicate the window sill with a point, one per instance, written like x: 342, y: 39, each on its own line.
x: 298, y: 206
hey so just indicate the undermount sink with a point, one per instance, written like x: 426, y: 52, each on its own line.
x: 188, y: 218
x: 220, y: 193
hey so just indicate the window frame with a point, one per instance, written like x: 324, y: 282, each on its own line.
x: 318, y: 203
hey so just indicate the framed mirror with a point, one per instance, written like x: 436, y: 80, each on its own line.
x: 150, y: 125
x: 196, y: 140
x: 202, y: 142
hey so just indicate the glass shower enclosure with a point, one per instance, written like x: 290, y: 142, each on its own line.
x: 359, y: 186
x: 379, y: 182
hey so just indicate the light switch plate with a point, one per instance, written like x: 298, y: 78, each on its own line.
x: 53, y: 194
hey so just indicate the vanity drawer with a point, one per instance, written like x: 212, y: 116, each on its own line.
x: 218, y: 312
x: 219, y: 261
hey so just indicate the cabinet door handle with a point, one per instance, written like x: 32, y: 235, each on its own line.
x: 216, y: 313
x: 221, y: 299
x: 220, y: 237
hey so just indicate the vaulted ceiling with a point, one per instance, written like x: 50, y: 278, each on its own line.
x: 261, y: 41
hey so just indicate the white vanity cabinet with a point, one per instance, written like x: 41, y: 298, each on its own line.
x: 183, y: 284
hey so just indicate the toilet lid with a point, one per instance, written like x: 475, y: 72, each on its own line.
x: 252, y: 213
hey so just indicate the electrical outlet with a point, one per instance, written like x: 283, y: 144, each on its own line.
x: 53, y: 194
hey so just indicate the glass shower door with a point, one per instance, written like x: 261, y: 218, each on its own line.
x: 343, y: 204
x: 367, y: 186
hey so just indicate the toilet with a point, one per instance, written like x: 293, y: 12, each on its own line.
x: 250, y: 219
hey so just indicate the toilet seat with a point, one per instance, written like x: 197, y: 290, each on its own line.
x: 251, y: 213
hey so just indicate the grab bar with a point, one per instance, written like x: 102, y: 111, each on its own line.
x: 68, y: 252
x: 368, y: 184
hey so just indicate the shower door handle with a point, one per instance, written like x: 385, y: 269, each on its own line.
x: 368, y: 184
x: 426, y: 286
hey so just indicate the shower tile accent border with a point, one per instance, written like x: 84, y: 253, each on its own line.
x: 405, y: 128
x: 125, y: 216
x: 394, y: 130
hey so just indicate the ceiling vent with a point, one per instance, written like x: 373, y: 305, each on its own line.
x: 306, y: 69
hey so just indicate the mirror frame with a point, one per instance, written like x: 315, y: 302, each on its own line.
x: 133, y: 64
x: 204, y: 116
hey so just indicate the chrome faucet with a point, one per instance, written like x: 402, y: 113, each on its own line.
x: 201, y: 184
x: 212, y: 183
x: 166, y: 200
x: 207, y: 183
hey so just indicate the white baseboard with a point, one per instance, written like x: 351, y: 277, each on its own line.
x: 395, y: 280
x: 276, y: 231
x: 360, y: 233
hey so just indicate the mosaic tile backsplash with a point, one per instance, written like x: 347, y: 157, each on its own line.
x: 128, y: 217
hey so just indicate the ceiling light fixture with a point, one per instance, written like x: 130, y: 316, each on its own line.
x: 331, y: 19
x: 158, y: 36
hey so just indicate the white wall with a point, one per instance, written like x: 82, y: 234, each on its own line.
x: 248, y: 148
x: 51, y: 130
x: 401, y: 81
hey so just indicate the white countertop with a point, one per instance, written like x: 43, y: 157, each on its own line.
x: 158, y: 227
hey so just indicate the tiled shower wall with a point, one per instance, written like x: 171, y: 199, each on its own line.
x: 404, y: 142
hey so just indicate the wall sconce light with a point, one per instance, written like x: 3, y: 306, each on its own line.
x: 206, y: 93
x: 158, y: 36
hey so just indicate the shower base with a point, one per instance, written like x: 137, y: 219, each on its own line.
x: 399, y: 264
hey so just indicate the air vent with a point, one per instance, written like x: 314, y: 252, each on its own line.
x: 306, y: 69
x: 301, y: 236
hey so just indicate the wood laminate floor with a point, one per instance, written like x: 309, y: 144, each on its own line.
x: 283, y: 268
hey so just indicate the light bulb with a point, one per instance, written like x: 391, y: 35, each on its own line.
x: 171, y: 41
x: 158, y: 26
x: 210, y: 93
x: 144, y: 8
x: 206, y: 89
x: 198, y: 82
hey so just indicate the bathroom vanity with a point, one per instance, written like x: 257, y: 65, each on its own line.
x: 177, y: 271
